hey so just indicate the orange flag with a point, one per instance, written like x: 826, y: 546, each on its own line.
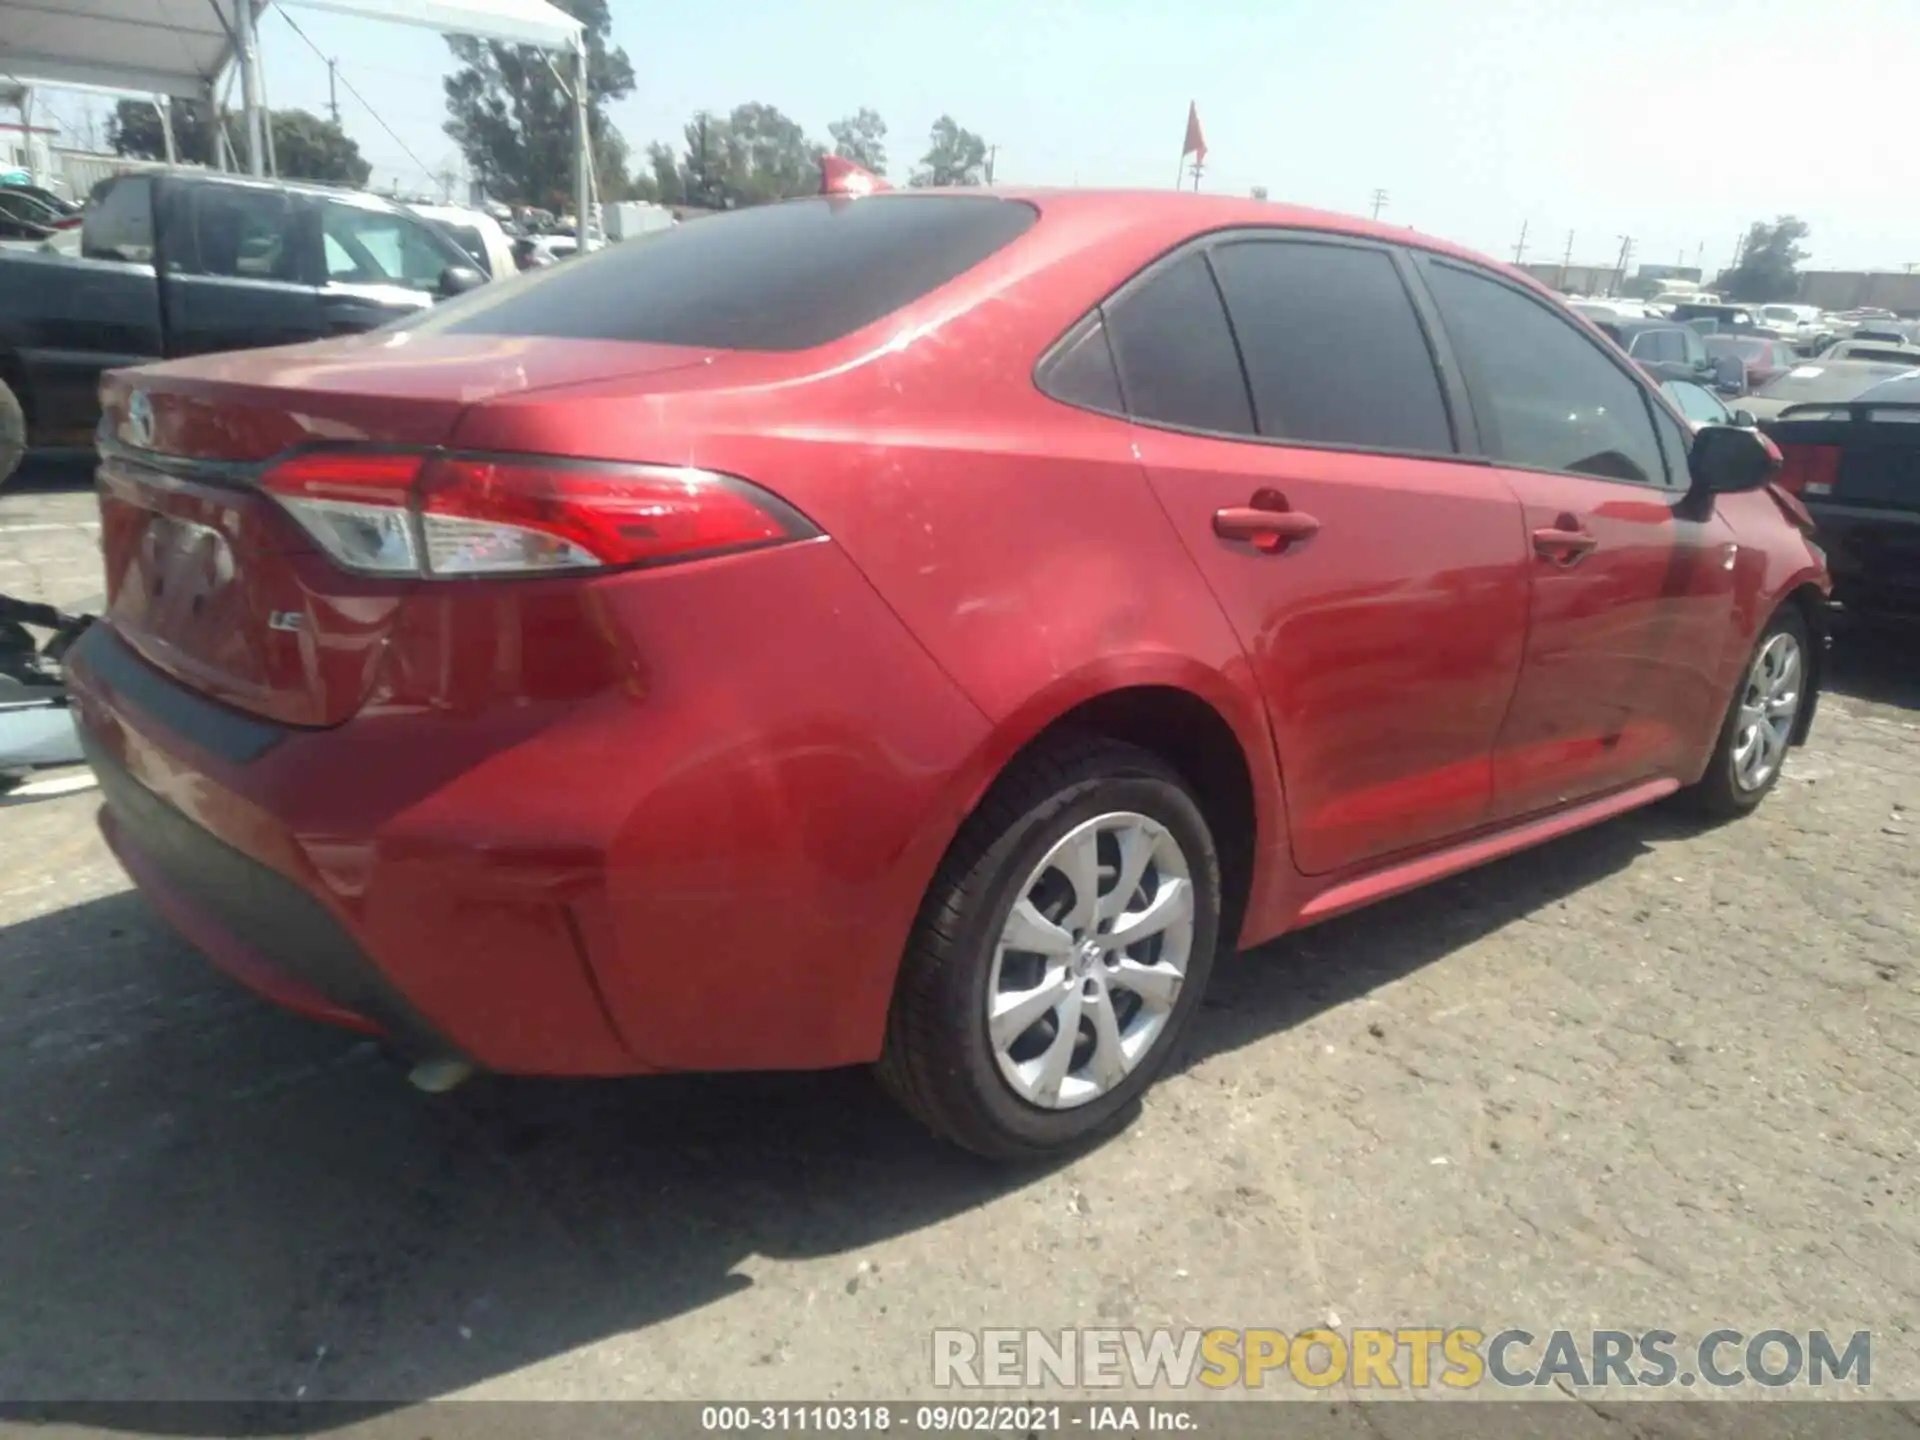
x: 1196, y: 145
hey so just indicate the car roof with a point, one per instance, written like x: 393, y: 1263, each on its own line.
x: 1182, y: 212
x: 201, y: 176
x: 1629, y: 325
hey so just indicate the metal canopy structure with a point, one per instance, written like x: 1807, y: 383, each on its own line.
x: 186, y: 47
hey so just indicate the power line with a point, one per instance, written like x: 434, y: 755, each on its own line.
x: 392, y: 134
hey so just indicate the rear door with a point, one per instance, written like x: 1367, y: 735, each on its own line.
x: 1376, y: 579
x: 1632, y: 590
x: 238, y: 273
x: 379, y: 265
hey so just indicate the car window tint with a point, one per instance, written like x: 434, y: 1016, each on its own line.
x: 1554, y: 399
x: 1333, y: 349
x: 1676, y: 440
x: 1081, y: 372
x: 245, y: 234
x: 118, y: 223
x: 1694, y: 402
x: 772, y: 277
x: 377, y: 247
x: 1176, y: 355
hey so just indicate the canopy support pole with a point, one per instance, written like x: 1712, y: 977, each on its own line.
x: 583, y: 150
x: 247, y: 55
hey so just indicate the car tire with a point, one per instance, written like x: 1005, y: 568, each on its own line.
x: 941, y: 1060
x: 13, y: 433
x: 1734, y: 784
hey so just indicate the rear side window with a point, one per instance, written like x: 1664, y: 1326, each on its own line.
x: 1556, y: 402
x: 1176, y: 355
x: 1081, y: 371
x: 243, y: 233
x: 119, y: 221
x: 775, y: 277
x: 1333, y: 349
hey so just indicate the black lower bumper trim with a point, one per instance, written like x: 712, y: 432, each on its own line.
x: 288, y: 929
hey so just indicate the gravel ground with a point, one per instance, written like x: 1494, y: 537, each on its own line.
x: 1648, y: 1076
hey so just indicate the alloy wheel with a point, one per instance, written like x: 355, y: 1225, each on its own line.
x: 1090, y: 961
x: 1769, y: 704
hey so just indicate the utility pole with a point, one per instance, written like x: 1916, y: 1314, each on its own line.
x: 1379, y: 202
x: 1197, y: 167
x: 1565, y: 261
x: 1521, y: 248
x: 333, y: 96
x: 1620, y: 270
x: 993, y: 152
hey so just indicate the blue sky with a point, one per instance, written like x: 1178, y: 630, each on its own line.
x: 1674, y: 121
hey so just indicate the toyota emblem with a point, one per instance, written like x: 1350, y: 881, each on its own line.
x: 140, y: 420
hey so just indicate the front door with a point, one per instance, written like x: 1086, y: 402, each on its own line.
x: 380, y: 266
x: 1377, y: 582
x: 1632, y: 589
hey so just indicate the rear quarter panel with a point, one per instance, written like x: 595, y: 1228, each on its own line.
x: 1015, y: 537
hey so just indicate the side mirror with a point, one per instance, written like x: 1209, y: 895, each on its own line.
x: 1745, y: 420
x: 458, y: 279
x: 1727, y: 459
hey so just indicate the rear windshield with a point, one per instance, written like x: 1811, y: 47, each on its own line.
x: 776, y: 277
x: 1752, y: 347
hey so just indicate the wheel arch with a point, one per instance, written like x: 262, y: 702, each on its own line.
x: 1210, y: 730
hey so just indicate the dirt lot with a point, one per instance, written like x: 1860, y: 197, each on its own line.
x: 1649, y: 1076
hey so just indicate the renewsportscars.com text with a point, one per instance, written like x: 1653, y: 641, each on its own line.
x: 1413, y: 1358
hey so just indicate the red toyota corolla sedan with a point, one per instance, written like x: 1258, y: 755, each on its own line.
x: 918, y: 629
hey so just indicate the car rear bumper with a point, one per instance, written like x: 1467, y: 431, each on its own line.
x: 490, y: 973
x: 1873, y: 553
x: 709, y: 857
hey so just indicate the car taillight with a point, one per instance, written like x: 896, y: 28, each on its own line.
x: 465, y: 515
x: 1809, y: 469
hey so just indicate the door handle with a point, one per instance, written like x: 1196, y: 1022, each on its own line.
x: 1564, y: 541
x: 1267, y: 530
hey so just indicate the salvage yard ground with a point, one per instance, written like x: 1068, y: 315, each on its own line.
x: 1648, y: 1076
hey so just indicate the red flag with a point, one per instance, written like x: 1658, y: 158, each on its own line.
x: 1196, y: 145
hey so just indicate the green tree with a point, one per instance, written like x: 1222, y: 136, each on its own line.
x: 750, y: 156
x: 134, y: 130
x: 513, y: 119
x: 305, y: 147
x: 861, y: 138
x: 1769, y: 263
x: 956, y: 156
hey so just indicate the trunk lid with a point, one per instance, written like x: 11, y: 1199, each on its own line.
x: 209, y: 579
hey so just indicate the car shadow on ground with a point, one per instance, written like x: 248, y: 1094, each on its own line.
x: 1876, y: 660
x: 208, y: 1199
x: 46, y: 471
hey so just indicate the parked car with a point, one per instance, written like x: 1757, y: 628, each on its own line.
x: 1761, y: 357
x: 1821, y: 380
x: 1855, y: 465
x: 535, y: 252
x: 1893, y: 352
x: 1725, y: 318
x: 1664, y: 350
x: 477, y: 233
x: 1799, y: 325
x: 875, y: 630
x: 1702, y: 407
x: 183, y: 262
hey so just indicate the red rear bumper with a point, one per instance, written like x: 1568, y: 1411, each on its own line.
x: 711, y: 863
